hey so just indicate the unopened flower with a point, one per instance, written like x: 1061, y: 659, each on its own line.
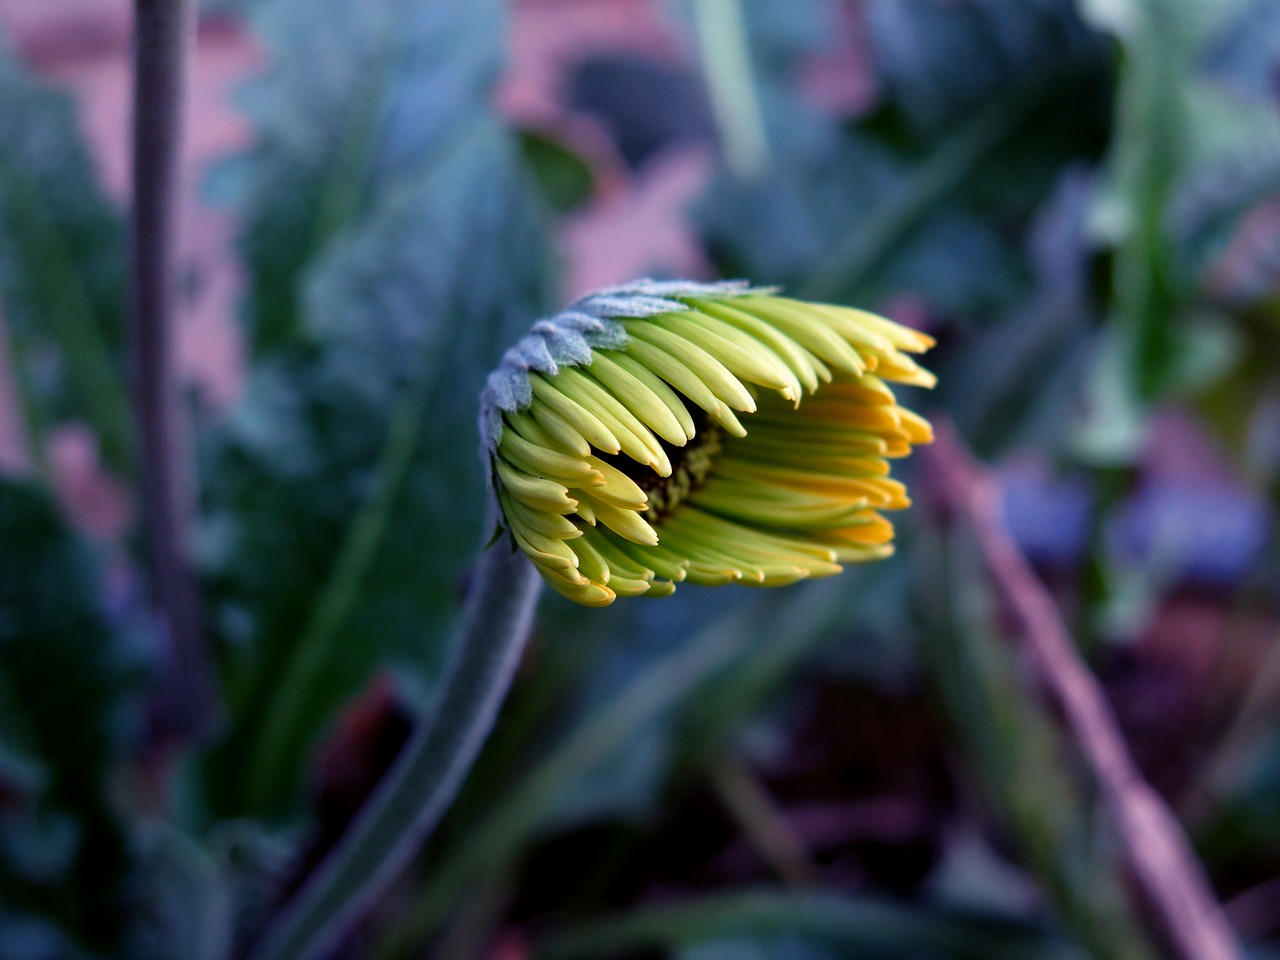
x: 663, y: 432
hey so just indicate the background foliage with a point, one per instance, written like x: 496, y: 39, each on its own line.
x: 1077, y: 198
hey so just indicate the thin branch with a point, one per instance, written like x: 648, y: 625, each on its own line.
x: 163, y: 33
x: 1163, y: 866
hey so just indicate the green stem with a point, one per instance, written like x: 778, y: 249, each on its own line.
x: 426, y: 776
x: 726, y: 65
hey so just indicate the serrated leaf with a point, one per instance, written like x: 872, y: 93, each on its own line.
x: 888, y: 207
x: 348, y: 487
x: 61, y: 266
x: 360, y: 100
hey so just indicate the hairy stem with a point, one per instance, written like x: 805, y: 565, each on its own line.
x: 426, y: 776
x: 164, y: 31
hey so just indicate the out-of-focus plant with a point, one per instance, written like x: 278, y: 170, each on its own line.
x: 1047, y: 187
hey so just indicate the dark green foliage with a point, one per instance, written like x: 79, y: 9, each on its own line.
x: 359, y: 103
x: 61, y: 266
x: 345, y: 493
x: 63, y: 690
x: 890, y: 203
x: 1048, y: 196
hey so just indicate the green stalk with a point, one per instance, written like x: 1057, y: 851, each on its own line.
x: 725, y: 55
x: 426, y: 776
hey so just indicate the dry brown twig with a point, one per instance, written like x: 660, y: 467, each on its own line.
x: 1162, y: 865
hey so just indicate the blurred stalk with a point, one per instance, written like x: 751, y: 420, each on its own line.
x: 1166, y: 876
x: 859, y: 925
x: 1017, y: 761
x: 163, y: 34
x: 761, y: 822
x: 493, y: 841
x: 426, y: 776
x: 725, y: 54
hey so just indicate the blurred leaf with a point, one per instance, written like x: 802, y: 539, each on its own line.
x: 1017, y: 757
x: 760, y: 923
x: 865, y: 218
x: 565, y: 178
x: 65, y: 684
x: 519, y: 811
x: 24, y: 936
x: 61, y: 267
x: 1247, y: 51
x: 396, y: 247
x: 182, y: 904
x: 940, y: 59
x: 886, y: 207
x: 346, y: 495
x: 1011, y: 384
x: 359, y: 100
x: 1149, y: 154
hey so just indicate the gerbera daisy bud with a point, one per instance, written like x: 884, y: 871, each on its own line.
x: 715, y: 433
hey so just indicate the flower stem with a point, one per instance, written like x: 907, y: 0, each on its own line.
x: 163, y: 32
x: 420, y: 786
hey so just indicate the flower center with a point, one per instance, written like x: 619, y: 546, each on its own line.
x: 690, y: 467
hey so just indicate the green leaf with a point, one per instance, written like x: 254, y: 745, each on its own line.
x: 61, y: 268
x: 564, y: 177
x: 887, y: 207
x: 64, y: 690
x: 395, y: 247
x: 347, y: 493
x: 863, y: 925
x: 940, y: 60
x: 360, y: 100
x: 849, y: 220
x: 1010, y: 383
